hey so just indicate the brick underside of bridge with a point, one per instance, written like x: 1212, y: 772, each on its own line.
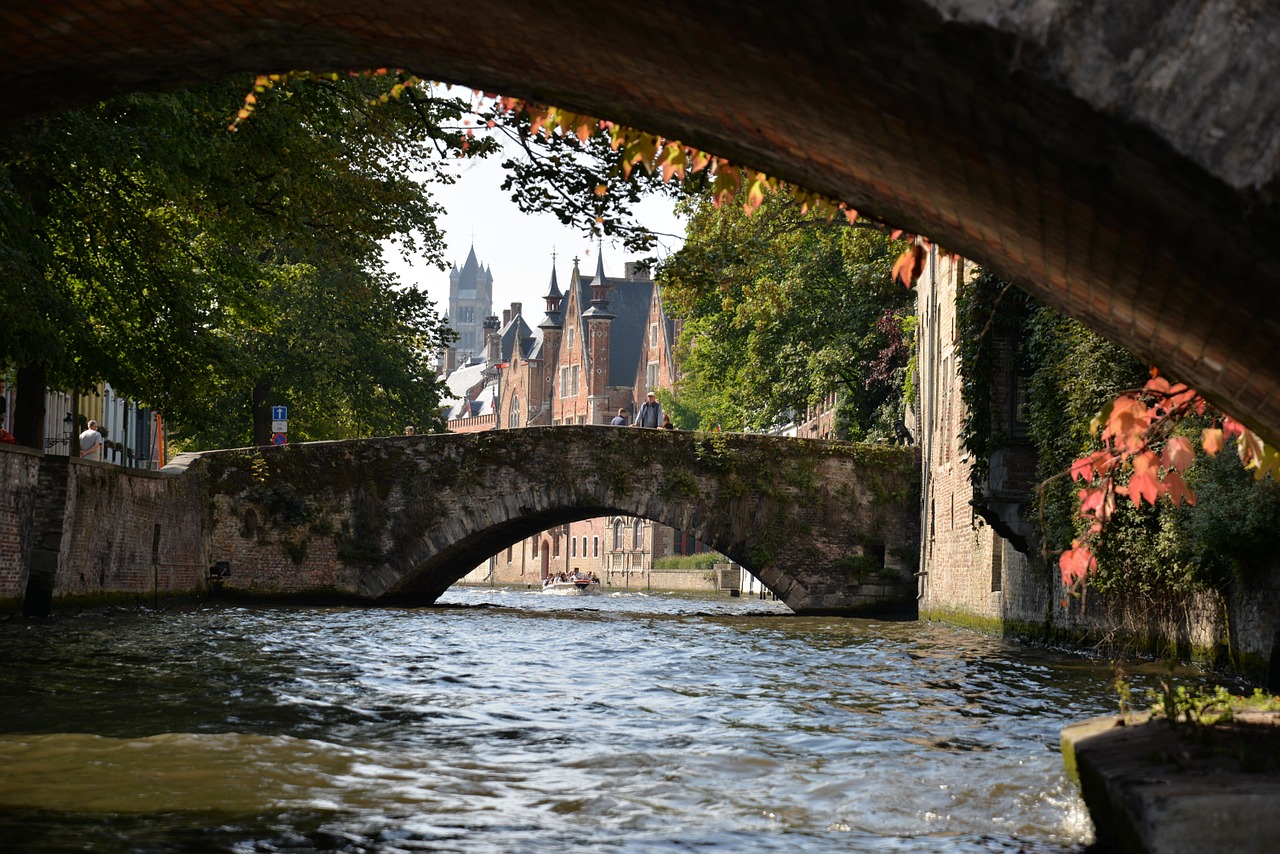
x: 1118, y: 158
x: 830, y: 527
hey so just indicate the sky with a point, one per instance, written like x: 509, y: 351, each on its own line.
x: 518, y: 247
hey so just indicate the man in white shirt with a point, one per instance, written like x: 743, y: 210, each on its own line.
x: 91, y: 443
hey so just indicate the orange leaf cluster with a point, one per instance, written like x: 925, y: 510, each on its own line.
x: 1137, y: 436
x: 673, y: 159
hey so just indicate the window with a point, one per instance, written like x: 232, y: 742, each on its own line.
x: 1020, y: 416
x: 514, y: 419
x: 573, y: 381
x: 651, y: 376
x: 653, y: 335
x: 595, y: 547
x: 997, y: 562
x: 555, y: 546
x: 584, y: 545
x: 617, y: 535
x: 510, y: 552
x: 568, y: 337
x: 535, y: 546
x: 637, y: 536
x: 573, y: 547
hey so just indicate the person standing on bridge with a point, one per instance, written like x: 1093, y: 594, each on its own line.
x: 650, y: 412
x: 619, y: 420
x: 91, y: 442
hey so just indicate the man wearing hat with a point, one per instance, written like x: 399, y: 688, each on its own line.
x: 650, y: 412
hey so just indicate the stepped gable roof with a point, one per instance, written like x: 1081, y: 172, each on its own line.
x: 629, y: 304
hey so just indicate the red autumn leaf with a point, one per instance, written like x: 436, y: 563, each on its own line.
x: 1076, y: 562
x: 1127, y: 426
x: 1086, y: 468
x: 1178, y: 453
x: 1178, y: 490
x: 1157, y: 384
x: 909, y: 265
x: 1211, y: 440
x: 1143, y: 483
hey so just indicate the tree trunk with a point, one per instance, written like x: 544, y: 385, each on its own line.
x: 28, y: 408
x: 262, y: 412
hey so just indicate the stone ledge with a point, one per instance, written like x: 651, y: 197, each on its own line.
x: 1153, y: 787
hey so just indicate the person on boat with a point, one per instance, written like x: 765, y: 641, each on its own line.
x: 619, y: 420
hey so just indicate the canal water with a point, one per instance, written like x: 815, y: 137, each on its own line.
x: 510, y: 721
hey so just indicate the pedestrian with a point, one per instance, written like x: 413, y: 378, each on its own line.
x: 650, y: 412
x: 408, y: 431
x: 666, y: 422
x: 91, y: 442
x: 619, y: 420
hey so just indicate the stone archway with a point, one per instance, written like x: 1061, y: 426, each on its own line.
x: 1112, y: 157
x: 395, y: 521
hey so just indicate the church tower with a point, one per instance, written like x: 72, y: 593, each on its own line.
x: 470, y: 302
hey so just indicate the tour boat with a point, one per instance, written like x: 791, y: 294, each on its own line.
x: 571, y: 587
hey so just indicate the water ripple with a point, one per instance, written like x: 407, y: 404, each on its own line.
x: 509, y: 721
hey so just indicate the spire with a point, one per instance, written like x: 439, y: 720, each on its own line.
x: 553, y: 320
x: 599, y: 294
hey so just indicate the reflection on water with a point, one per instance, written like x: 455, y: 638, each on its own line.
x: 512, y: 721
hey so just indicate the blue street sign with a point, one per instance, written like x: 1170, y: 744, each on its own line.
x: 279, y: 413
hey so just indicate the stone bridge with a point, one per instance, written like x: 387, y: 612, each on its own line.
x: 830, y: 527
x: 1118, y: 158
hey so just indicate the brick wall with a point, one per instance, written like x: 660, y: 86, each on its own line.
x: 19, y: 475
x: 75, y: 533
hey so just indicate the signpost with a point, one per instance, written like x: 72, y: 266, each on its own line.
x: 279, y: 425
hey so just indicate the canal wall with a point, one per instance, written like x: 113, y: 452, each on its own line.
x: 972, y: 577
x: 78, y: 533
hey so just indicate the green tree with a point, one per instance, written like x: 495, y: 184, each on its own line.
x: 144, y: 245
x: 780, y: 309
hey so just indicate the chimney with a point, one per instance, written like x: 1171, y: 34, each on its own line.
x: 450, y: 360
x: 506, y: 316
x: 516, y: 310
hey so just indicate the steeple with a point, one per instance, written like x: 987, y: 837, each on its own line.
x: 554, y: 319
x: 599, y: 295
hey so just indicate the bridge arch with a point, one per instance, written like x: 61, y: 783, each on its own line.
x: 830, y: 527
x: 1106, y: 155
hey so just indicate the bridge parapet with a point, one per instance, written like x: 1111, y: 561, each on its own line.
x: 830, y: 527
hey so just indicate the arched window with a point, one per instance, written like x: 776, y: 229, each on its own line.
x: 637, y: 535
x: 535, y: 546
x: 573, y: 547
x: 595, y: 547
x: 617, y: 535
x: 514, y: 419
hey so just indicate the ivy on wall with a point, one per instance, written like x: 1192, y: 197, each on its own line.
x: 988, y: 310
x: 1070, y: 374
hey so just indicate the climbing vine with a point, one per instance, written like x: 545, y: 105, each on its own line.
x: 988, y: 311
